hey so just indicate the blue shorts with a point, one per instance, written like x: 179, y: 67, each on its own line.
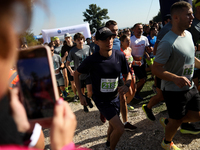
x: 108, y: 108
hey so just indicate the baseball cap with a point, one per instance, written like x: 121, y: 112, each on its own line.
x: 67, y: 35
x: 103, y: 33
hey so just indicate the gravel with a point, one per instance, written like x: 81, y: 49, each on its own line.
x: 91, y: 132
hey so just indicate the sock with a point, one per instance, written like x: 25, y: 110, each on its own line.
x: 167, y: 142
x: 107, y: 143
x: 166, y: 121
x: 66, y: 89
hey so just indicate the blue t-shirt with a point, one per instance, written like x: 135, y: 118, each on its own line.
x: 116, y: 44
x: 104, y: 73
x: 151, y: 43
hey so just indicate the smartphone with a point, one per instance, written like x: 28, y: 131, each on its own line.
x: 37, y: 81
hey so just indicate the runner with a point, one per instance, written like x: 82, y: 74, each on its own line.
x: 112, y: 25
x: 139, y: 44
x: 58, y: 65
x: 78, y: 54
x: 174, y: 64
x: 125, y: 42
x: 64, y: 54
x: 105, y: 67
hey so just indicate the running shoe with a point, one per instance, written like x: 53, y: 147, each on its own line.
x: 103, y: 119
x: 138, y: 97
x: 154, y: 89
x: 187, y: 128
x: 170, y: 146
x: 130, y: 107
x: 85, y: 109
x: 76, y: 98
x: 148, y: 112
x: 129, y: 127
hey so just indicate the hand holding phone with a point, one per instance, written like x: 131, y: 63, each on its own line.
x: 37, y: 81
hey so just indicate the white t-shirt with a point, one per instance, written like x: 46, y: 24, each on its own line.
x: 138, y: 45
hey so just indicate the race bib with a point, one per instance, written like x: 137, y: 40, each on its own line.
x: 108, y: 85
x: 129, y: 59
x: 188, y: 71
x: 72, y: 63
x: 197, y: 54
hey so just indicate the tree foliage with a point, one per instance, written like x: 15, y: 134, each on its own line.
x: 158, y: 17
x: 94, y: 16
x: 31, y: 41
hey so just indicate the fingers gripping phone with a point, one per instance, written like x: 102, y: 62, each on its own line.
x: 37, y: 81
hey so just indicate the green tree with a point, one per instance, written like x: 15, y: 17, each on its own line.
x: 94, y: 16
x: 31, y: 41
x: 158, y: 17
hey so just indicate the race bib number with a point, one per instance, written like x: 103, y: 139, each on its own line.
x: 108, y: 85
x: 188, y: 71
x: 130, y: 60
x: 72, y: 63
x: 198, y: 54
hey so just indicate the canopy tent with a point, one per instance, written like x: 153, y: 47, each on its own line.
x: 48, y: 33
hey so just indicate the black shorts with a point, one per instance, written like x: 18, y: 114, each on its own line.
x: 140, y: 71
x: 158, y: 82
x: 196, y: 74
x: 121, y: 82
x: 109, y: 108
x: 70, y: 77
x: 85, y: 82
x: 178, y: 103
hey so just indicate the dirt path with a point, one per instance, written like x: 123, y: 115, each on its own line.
x: 91, y: 132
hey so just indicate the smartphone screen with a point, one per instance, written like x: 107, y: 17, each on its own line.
x: 36, y: 83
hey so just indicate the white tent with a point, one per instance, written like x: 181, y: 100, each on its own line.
x: 48, y: 33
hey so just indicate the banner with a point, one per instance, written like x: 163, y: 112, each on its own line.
x: 48, y: 33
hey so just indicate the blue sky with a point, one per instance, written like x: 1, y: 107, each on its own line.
x: 63, y: 13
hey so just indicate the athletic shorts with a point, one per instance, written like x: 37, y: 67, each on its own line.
x: 108, y: 108
x: 70, y: 77
x: 196, y: 74
x: 140, y: 71
x: 121, y: 82
x: 60, y: 80
x: 158, y: 82
x: 85, y: 82
x: 178, y: 103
